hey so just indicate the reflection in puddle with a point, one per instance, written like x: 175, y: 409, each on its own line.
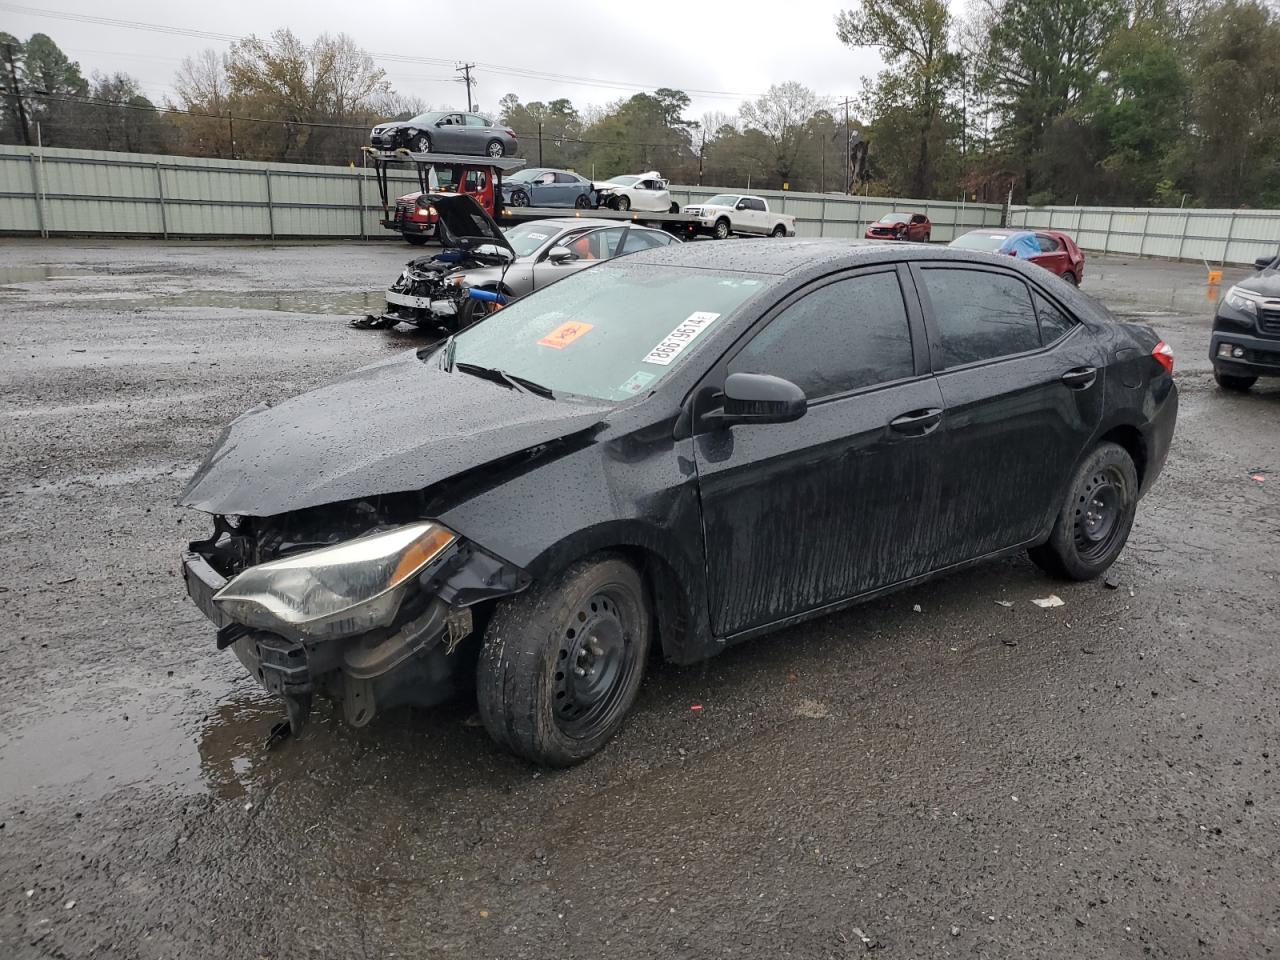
x: 35, y: 272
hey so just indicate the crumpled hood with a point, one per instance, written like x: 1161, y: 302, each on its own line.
x: 399, y: 425
x: 1266, y: 283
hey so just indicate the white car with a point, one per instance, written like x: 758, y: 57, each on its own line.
x: 641, y: 191
x: 730, y: 213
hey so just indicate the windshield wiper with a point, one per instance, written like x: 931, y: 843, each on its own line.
x: 523, y: 384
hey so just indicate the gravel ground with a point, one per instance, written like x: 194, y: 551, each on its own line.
x: 970, y: 780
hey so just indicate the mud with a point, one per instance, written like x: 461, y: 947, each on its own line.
x: 1097, y: 779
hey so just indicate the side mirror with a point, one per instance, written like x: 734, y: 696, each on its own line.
x: 742, y: 205
x: 760, y: 398
x: 1262, y: 263
x: 559, y: 254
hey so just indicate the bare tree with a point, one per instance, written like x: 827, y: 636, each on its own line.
x: 780, y: 113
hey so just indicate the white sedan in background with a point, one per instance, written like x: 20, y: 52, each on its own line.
x: 641, y: 191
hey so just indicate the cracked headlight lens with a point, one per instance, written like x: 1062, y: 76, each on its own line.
x: 335, y: 591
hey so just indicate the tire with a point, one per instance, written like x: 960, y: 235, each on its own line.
x: 1071, y: 278
x: 1234, y: 382
x: 416, y: 239
x: 927, y: 238
x: 583, y: 202
x: 554, y: 716
x: 420, y: 143
x: 674, y: 208
x: 494, y: 149
x: 473, y: 311
x: 519, y: 199
x: 623, y: 203
x: 721, y: 230
x: 1093, y: 525
x: 779, y: 231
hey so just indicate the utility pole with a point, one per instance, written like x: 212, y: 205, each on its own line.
x: 539, y: 143
x: 17, y: 94
x: 465, y: 69
x: 702, y: 152
x: 847, y: 184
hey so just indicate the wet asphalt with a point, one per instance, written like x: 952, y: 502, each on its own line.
x: 965, y: 779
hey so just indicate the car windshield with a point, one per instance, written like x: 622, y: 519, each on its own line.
x: 610, y: 332
x: 526, y: 238
x: 894, y: 218
x: 980, y: 240
x: 423, y: 119
x: 625, y: 181
x: 722, y: 200
x: 524, y: 176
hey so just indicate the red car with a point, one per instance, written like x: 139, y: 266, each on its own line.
x: 1051, y: 249
x: 415, y: 218
x: 901, y: 226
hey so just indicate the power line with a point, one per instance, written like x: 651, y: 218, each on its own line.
x: 465, y: 69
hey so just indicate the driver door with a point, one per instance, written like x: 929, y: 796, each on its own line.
x: 448, y: 134
x: 798, y: 516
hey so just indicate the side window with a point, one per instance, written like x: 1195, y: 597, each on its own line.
x: 757, y: 204
x: 849, y: 334
x: 1047, y: 243
x: 475, y: 121
x: 980, y: 315
x: 1054, y: 324
x: 597, y: 245
x: 566, y: 178
x: 918, y: 218
x: 645, y: 240
x: 545, y: 178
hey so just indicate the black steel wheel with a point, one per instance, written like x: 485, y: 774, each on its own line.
x: 721, y: 229
x: 583, y: 201
x: 1094, y: 522
x: 561, y: 665
x: 494, y: 148
x: 416, y: 239
x: 519, y: 199
x: 1234, y: 382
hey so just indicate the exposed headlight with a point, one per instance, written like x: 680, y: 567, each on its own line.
x: 335, y: 591
x: 1244, y: 300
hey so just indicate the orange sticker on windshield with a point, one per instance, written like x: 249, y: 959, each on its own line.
x: 564, y: 334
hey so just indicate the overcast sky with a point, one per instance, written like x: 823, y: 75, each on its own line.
x: 728, y: 50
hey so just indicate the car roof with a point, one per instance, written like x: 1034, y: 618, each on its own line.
x: 563, y: 222
x: 786, y: 257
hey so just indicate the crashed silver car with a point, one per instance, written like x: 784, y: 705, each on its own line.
x: 435, y: 291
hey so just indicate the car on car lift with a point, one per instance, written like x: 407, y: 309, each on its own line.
x: 682, y: 448
x: 543, y: 187
x: 646, y: 192
x: 445, y: 131
x: 1245, y: 343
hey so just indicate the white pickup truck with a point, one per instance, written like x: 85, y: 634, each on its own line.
x: 729, y: 213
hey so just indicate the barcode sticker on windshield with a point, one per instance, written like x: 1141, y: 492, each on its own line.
x: 679, y: 338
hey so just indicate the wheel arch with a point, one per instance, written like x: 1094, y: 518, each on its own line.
x: 1129, y: 438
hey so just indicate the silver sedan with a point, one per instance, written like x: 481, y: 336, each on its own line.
x: 446, y: 132
x: 547, y: 250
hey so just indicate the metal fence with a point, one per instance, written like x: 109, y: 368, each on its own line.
x: 64, y: 191
x: 1218, y: 236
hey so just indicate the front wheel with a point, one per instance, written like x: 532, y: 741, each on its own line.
x: 519, y: 199
x: 1094, y: 522
x: 420, y: 143
x: 721, y: 229
x: 1228, y: 381
x: 494, y: 148
x: 561, y: 665
x: 583, y: 201
x: 473, y: 311
x: 674, y: 208
x: 416, y: 239
x: 622, y: 202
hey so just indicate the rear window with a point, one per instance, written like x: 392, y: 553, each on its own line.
x: 980, y: 240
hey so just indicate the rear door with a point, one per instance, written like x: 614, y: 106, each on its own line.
x: 1053, y: 256
x: 801, y: 515
x: 1023, y: 396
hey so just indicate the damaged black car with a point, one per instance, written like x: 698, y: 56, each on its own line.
x: 671, y: 452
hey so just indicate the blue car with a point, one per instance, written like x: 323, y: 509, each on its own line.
x: 543, y: 187
x: 1016, y: 243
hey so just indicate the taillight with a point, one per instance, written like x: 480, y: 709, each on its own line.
x: 1164, y: 355
x: 511, y: 133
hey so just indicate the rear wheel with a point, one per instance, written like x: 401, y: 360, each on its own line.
x: 721, y: 229
x: 494, y: 148
x: 779, y: 231
x: 561, y: 665
x: 1071, y: 278
x: 1094, y: 522
x: 1229, y: 381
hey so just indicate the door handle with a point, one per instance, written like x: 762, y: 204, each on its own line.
x: 1080, y: 378
x: 917, y: 422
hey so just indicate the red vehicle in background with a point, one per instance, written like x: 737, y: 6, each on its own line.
x: 415, y: 219
x: 901, y: 226
x: 1052, y: 249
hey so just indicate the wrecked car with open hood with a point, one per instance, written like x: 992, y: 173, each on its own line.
x: 673, y: 451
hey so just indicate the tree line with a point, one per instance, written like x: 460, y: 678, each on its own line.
x: 1137, y: 102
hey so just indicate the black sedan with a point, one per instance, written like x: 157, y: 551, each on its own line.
x: 1245, y: 344
x: 680, y: 449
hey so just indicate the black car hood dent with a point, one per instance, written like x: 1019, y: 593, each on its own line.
x: 397, y: 426
x: 1265, y: 283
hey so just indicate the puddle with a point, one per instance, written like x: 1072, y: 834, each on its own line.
x: 340, y: 303
x: 142, y: 738
x: 36, y: 272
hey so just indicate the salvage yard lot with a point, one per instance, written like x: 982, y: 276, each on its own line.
x: 969, y: 779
